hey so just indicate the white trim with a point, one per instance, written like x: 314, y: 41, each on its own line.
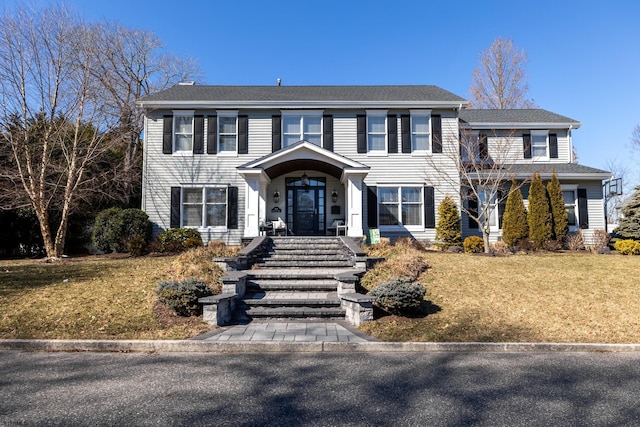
x: 150, y: 105
x: 203, y: 188
x: 544, y: 133
x: 226, y: 114
x: 181, y: 113
x: 576, y: 210
x: 421, y: 113
x: 399, y: 203
x: 383, y: 151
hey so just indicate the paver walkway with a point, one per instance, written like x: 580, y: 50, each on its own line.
x: 283, y: 330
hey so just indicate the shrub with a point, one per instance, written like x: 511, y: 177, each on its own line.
x: 539, y: 217
x: 514, y: 219
x: 473, y: 244
x: 629, y: 225
x: 448, y: 230
x: 117, y: 230
x: 627, y: 247
x: 180, y: 239
x: 601, y: 239
x: 183, y: 296
x: 501, y: 248
x: 552, y: 245
x: 107, y: 230
x: 558, y: 210
x: 575, y: 241
x: 526, y: 245
x: 399, y: 296
x: 197, y: 263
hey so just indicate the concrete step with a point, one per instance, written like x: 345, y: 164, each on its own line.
x: 296, y: 312
x: 275, y: 263
x: 302, y: 285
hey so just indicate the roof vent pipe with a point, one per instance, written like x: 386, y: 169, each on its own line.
x: 279, y: 82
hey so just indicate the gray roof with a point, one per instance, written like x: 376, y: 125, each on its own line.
x: 504, y: 118
x: 566, y: 170
x: 286, y: 94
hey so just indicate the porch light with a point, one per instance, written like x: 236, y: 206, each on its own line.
x: 334, y: 196
x: 276, y: 196
x: 305, y: 179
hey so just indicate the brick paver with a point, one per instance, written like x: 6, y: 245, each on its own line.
x: 297, y: 331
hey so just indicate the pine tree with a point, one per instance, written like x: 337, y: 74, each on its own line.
x: 629, y: 225
x: 539, y: 217
x: 558, y: 211
x: 448, y: 230
x: 514, y: 219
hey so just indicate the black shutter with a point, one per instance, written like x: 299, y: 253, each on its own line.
x: 472, y: 204
x: 526, y: 143
x: 436, y: 125
x: 429, y: 208
x: 174, y: 221
x: 362, y: 133
x: 372, y: 206
x: 198, y: 135
x: 232, y: 208
x: 327, y: 132
x: 243, y: 135
x: 553, y: 145
x: 392, y: 131
x: 405, y: 130
x: 583, y: 212
x: 483, y: 146
x: 212, y: 135
x: 167, y: 135
x: 276, y: 133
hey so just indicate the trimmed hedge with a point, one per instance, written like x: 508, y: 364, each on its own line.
x: 627, y: 247
x: 473, y: 244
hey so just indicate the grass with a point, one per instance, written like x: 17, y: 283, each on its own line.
x: 546, y: 297
x: 88, y: 298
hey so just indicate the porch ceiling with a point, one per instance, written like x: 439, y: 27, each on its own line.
x: 303, y: 164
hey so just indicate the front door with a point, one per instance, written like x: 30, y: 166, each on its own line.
x: 305, y: 206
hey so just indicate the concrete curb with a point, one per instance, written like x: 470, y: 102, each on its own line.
x: 200, y: 346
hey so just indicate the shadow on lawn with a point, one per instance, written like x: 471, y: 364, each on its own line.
x: 16, y: 278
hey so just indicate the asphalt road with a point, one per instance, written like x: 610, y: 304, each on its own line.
x: 382, y: 389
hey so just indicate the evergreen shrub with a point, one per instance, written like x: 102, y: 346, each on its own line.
x: 400, y: 295
x: 117, y: 230
x: 448, y: 229
x: 558, y: 210
x: 179, y: 239
x: 514, y: 219
x: 473, y: 244
x: 539, y: 217
x: 183, y: 296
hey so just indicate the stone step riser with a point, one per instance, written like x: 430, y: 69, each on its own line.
x: 293, y: 288
x: 305, y: 264
x: 296, y: 312
x: 291, y: 303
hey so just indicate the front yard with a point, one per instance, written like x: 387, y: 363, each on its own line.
x: 550, y: 297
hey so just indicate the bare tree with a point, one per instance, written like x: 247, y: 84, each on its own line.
x: 483, y: 173
x: 500, y: 81
x: 70, y: 128
x: 635, y: 137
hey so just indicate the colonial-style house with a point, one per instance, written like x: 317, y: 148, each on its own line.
x: 235, y: 162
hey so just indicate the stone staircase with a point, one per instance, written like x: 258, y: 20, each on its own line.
x: 295, y: 277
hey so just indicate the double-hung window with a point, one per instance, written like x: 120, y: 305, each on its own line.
x: 539, y: 144
x: 470, y: 147
x: 376, y: 132
x: 420, y: 131
x: 183, y: 131
x: 400, y: 206
x: 298, y: 126
x: 204, y: 207
x: 227, y: 132
x: 569, y: 195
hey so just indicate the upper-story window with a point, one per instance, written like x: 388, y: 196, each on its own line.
x: 301, y: 126
x: 420, y: 131
x: 539, y: 144
x: 376, y: 131
x: 183, y: 131
x: 469, y: 146
x: 227, y: 131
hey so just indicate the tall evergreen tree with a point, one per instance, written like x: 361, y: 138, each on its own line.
x: 448, y: 230
x: 558, y: 211
x: 539, y: 217
x: 629, y: 225
x: 514, y: 219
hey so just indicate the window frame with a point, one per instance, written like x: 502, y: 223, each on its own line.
x: 574, y: 189
x: 471, y: 140
x: 220, y: 114
x: 539, y: 133
x: 421, y: 113
x: 399, y: 204
x: 203, y: 206
x: 302, y: 114
x: 377, y: 114
x: 180, y: 114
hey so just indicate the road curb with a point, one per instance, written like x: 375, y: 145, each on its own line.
x: 200, y: 346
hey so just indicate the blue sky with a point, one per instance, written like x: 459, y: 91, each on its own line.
x: 584, y: 56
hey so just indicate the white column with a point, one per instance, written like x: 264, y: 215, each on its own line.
x: 255, y: 201
x: 352, y: 181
